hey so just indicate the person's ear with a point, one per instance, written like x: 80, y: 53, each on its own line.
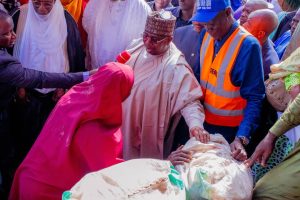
x: 261, y: 34
x: 169, y: 39
x: 228, y: 12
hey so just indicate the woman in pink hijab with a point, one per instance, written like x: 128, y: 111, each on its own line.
x: 81, y: 135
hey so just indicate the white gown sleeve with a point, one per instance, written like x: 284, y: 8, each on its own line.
x: 193, y: 113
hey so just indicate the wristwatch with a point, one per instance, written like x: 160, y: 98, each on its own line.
x: 244, y: 140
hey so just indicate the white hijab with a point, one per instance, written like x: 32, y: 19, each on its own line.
x: 111, y: 26
x: 41, y: 45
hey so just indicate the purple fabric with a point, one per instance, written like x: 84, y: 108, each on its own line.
x: 237, y: 14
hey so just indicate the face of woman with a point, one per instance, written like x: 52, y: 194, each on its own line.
x: 43, y: 7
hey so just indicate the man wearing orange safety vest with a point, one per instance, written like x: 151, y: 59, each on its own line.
x: 231, y: 75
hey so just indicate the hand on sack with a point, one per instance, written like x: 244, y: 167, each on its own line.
x: 200, y: 134
x: 237, y: 150
x: 179, y: 157
x: 262, y: 151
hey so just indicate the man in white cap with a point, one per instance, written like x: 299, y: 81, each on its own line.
x: 231, y: 75
x: 164, y: 88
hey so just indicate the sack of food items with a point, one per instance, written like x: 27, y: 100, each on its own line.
x: 145, y: 179
x: 213, y: 173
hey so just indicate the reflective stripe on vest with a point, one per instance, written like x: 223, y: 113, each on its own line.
x: 223, y: 103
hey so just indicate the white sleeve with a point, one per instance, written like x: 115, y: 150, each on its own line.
x: 193, y: 113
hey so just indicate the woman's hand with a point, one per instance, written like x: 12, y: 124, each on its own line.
x: 295, y: 90
x: 179, y: 157
x: 262, y: 151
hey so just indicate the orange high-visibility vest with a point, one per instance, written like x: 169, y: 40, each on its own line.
x: 223, y: 104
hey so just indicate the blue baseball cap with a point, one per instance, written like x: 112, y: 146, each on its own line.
x: 208, y: 9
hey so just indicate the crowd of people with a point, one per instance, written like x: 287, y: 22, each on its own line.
x: 188, y: 69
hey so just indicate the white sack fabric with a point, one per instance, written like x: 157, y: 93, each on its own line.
x: 145, y: 179
x: 213, y: 173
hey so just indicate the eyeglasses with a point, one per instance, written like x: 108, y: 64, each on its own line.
x: 153, y: 39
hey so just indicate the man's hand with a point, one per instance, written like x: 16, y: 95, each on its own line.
x: 262, y: 151
x: 179, y: 157
x: 237, y: 150
x: 200, y: 134
x: 58, y: 93
x: 93, y: 71
x: 21, y: 95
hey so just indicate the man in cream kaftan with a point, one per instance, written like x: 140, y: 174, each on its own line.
x: 164, y: 87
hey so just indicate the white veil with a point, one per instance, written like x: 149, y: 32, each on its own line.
x: 111, y: 26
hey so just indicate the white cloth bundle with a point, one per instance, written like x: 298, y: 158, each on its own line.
x: 145, y: 179
x: 213, y: 173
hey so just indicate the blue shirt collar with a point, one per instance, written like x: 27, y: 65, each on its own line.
x: 177, y: 12
x: 219, y: 44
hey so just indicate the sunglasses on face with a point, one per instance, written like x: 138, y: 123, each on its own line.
x: 153, y: 39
